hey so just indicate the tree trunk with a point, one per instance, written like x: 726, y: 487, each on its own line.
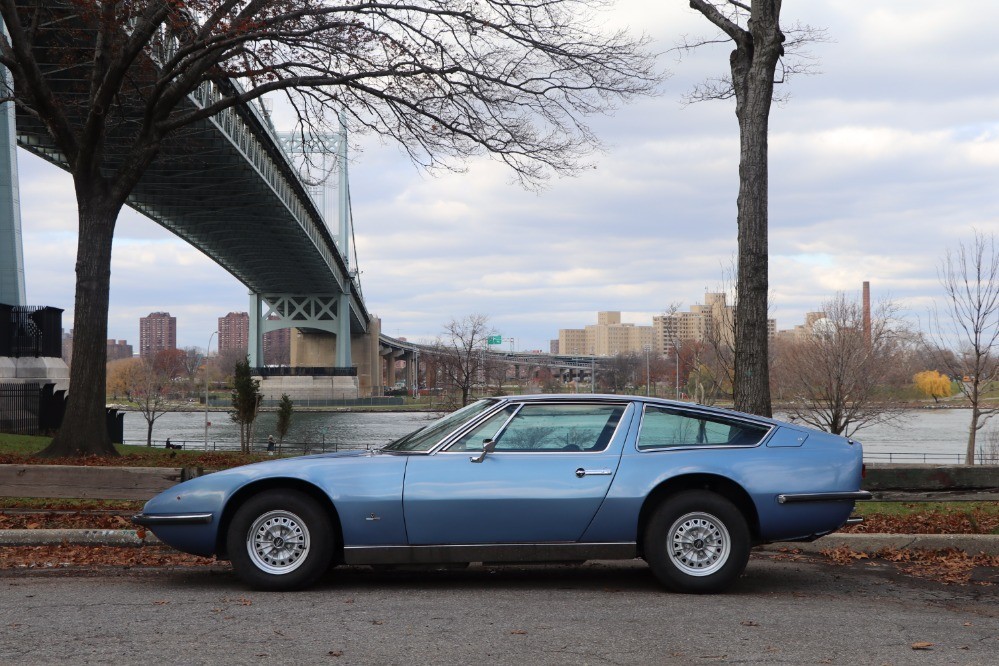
x: 84, y: 426
x: 969, y: 456
x: 149, y: 432
x: 753, y: 63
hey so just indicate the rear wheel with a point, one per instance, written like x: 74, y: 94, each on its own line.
x: 697, y: 542
x: 280, y: 540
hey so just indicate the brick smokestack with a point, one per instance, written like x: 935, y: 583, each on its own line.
x: 867, y: 312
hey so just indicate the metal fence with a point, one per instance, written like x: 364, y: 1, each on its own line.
x: 914, y: 457
x: 38, y: 409
x: 19, y: 408
x: 30, y: 331
x: 286, y: 448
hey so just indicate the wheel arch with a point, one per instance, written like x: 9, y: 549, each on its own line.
x: 261, y: 485
x: 721, y: 485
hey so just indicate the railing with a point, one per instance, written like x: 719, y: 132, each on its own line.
x: 301, y: 371
x: 914, y: 457
x: 305, y: 448
x: 30, y: 331
x: 286, y: 448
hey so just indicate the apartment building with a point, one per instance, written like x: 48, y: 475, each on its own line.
x: 157, y: 332
x: 608, y: 337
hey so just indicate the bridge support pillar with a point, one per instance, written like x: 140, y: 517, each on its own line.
x: 367, y: 358
x: 412, y: 359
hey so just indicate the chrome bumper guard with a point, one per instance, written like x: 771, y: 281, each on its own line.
x: 151, y: 520
x: 856, y: 496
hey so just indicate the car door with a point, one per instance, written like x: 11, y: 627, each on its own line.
x: 543, y: 482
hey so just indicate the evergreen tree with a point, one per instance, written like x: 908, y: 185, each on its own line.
x: 246, y: 398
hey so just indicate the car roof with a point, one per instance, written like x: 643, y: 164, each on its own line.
x: 659, y: 402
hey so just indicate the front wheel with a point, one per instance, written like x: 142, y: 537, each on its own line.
x: 280, y: 540
x: 697, y: 542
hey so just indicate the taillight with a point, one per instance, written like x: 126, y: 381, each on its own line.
x: 863, y: 471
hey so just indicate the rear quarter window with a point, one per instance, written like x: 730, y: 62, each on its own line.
x: 669, y: 428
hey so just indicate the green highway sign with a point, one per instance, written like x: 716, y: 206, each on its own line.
x: 495, y: 339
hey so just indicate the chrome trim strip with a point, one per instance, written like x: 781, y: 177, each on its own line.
x: 854, y: 520
x: 516, y: 552
x: 856, y: 496
x: 146, y: 519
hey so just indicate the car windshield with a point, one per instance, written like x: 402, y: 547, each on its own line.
x: 426, y: 437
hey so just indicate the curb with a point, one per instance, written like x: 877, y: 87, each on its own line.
x: 970, y: 543
x: 76, y: 538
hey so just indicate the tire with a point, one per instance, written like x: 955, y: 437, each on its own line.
x: 280, y: 540
x: 697, y: 542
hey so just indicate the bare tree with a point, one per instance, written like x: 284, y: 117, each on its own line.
x: 970, y: 279
x: 619, y: 371
x: 836, y: 378
x: 191, y: 364
x: 107, y: 81
x: 760, y: 48
x: 459, y: 353
x: 494, y: 373
x: 146, y: 384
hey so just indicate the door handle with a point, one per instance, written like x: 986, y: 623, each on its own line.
x: 593, y: 472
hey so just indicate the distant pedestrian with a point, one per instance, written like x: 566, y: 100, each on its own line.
x: 172, y: 446
x: 270, y: 444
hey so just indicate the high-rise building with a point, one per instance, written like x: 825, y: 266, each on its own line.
x: 608, y: 337
x: 714, y: 321
x: 119, y: 349
x: 157, y: 332
x: 234, y: 332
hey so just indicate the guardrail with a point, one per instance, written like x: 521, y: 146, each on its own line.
x: 914, y: 457
x: 287, y: 448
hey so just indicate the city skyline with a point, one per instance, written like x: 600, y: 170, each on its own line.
x: 875, y: 172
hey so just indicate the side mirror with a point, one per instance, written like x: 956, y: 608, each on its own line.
x: 487, y: 447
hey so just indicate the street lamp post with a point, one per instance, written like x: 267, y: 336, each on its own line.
x: 648, y: 374
x: 676, y: 351
x: 593, y: 372
x: 207, y: 349
x: 416, y: 375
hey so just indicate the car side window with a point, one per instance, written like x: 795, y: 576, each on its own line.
x: 551, y: 428
x: 664, y: 428
x: 487, y: 430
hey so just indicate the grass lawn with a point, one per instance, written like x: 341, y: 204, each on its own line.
x: 21, y: 449
x: 927, y: 517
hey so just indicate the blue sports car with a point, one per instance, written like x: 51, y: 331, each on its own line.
x: 529, y: 478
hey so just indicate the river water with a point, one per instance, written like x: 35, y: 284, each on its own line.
x: 931, y: 435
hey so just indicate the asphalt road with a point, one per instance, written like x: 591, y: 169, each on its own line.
x: 791, y: 612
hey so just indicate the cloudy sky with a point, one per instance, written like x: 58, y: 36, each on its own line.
x: 878, y: 163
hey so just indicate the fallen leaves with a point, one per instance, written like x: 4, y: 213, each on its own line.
x: 64, y: 556
x: 922, y: 645
x: 950, y: 565
x: 972, y: 520
x: 67, y: 520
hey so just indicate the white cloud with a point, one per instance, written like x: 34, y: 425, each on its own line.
x: 877, y: 164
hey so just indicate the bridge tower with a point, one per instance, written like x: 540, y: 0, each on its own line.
x: 11, y: 247
x: 322, y: 339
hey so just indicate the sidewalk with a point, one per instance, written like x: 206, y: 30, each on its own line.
x: 970, y: 543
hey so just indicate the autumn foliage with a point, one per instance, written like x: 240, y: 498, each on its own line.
x: 932, y: 384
